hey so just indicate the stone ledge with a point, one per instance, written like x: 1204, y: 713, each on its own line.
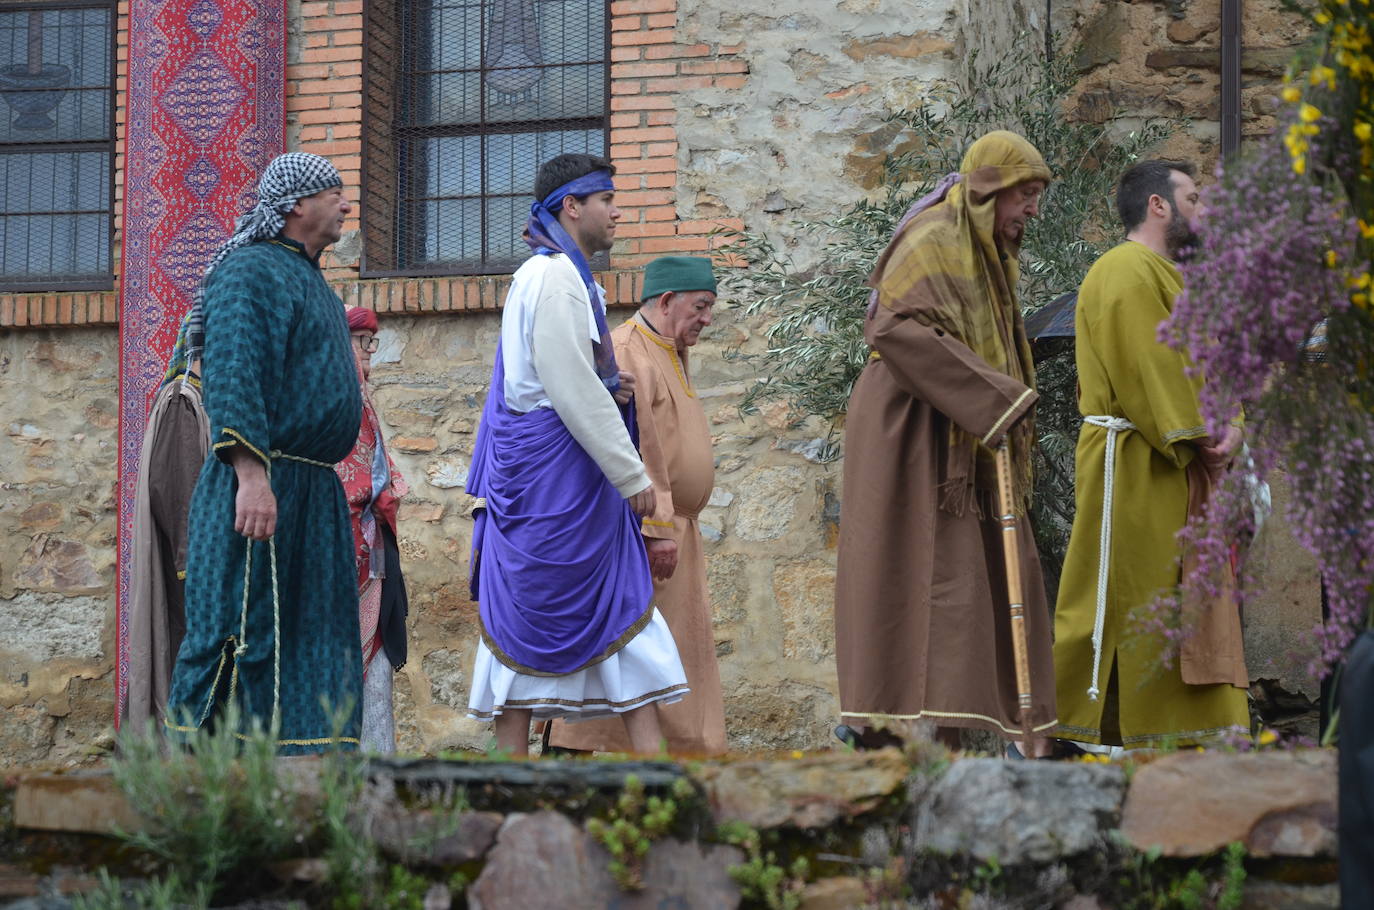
x: 59, y: 309
x: 395, y: 296
x: 1050, y: 827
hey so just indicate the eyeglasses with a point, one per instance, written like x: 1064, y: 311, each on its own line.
x: 367, y: 343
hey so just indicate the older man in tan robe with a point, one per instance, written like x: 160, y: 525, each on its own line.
x: 922, y: 631
x: 675, y: 443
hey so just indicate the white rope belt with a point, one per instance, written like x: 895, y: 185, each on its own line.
x: 1114, y: 426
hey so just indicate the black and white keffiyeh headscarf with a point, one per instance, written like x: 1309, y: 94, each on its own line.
x: 287, y: 179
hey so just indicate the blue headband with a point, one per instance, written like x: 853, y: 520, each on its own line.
x: 586, y: 185
x: 546, y: 235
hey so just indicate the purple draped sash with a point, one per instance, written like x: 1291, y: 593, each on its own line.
x: 559, y: 569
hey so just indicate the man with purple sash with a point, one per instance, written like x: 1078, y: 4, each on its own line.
x: 559, y: 569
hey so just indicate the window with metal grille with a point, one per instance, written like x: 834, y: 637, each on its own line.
x: 464, y: 100
x: 56, y: 145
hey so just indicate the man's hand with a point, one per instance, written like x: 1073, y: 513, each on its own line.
x: 644, y: 502
x: 1216, y: 453
x: 627, y: 388
x: 255, y: 506
x: 662, y: 556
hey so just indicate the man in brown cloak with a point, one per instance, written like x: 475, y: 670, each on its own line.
x: 922, y: 630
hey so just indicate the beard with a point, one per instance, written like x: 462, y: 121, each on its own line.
x: 1180, y: 238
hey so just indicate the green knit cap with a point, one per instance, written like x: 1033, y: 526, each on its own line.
x: 678, y: 273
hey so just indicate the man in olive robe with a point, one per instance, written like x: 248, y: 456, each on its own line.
x: 675, y: 444
x: 1144, y: 460
x: 922, y: 627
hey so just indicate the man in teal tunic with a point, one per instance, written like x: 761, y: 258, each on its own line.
x: 271, y: 586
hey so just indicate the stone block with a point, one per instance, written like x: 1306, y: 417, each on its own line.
x: 81, y: 802
x: 433, y: 837
x: 1262, y: 895
x: 25, y: 735
x: 1278, y: 804
x: 813, y: 791
x: 447, y: 681
x: 805, y: 594
x: 544, y: 860
x: 768, y: 503
x: 60, y: 566
x: 43, y: 626
x: 1101, y: 39
x: 842, y: 893
x: 1019, y: 812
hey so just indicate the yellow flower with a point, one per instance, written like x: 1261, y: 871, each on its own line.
x: 797, y: 753
x: 1322, y: 74
x: 1268, y: 738
x: 1299, y: 165
x: 1292, y: 94
x: 1360, y: 300
x: 1322, y: 18
x: 1309, y: 114
x: 1366, y: 230
x: 1363, y: 131
x: 1331, y: 259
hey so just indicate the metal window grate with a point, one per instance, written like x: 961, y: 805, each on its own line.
x: 465, y: 98
x: 56, y: 145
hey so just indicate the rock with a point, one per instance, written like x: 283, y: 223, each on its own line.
x: 1261, y: 62
x: 25, y: 734
x: 720, y: 497
x: 686, y: 875
x: 80, y: 802
x: 921, y: 44
x: 433, y: 837
x: 1019, y: 812
x: 1081, y: 902
x: 303, y: 871
x: 438, y: 897
x: 1100, y: 40
x: 415, y: 444
x: 841, y: 893
x: 767, y: 503
x: 805, y: 594
x: 15, y: 882
x: 61, y: 566
x: 1095, y: 107
x: 447, y: 681
x: 1275, y: 803
x: 539, y: 860
x: 44, y: 626
x: 447, y: 475
x: 42, y: 516
x: 1184, y: 31
x: 1262, y: 895
x: 809, y: 792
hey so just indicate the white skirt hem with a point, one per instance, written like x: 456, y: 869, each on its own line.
x: 646, y: 670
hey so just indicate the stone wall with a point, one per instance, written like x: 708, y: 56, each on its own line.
x: 1163, y: 59
x: 57, y: 542
x: 872, y: 829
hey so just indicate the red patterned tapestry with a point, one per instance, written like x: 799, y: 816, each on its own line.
x: 206, y: 112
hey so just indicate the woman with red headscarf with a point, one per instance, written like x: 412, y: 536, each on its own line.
x: 373, y: 487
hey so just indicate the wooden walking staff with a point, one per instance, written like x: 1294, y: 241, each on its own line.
x: 1012, y: 554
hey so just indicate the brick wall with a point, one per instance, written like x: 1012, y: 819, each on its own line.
x: 324, y: 111
x: 649, y: 68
